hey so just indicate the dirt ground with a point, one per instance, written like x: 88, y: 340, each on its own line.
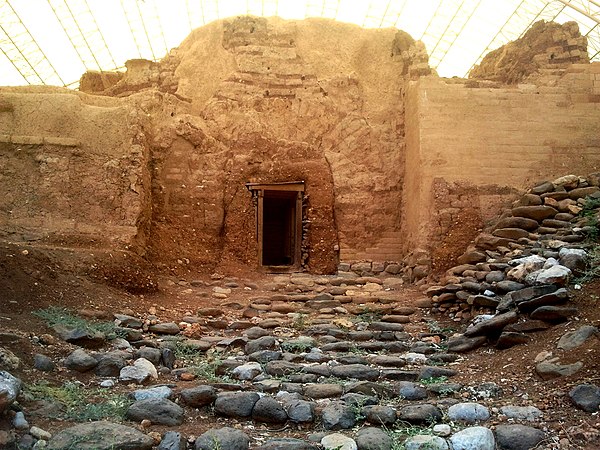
x: 32, y: 278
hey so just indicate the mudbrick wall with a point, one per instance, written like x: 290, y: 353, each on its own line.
x: 397, y: 162
x: 471, y: 146
x: 70, y: 172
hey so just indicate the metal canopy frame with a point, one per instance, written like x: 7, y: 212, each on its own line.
x: 445, y: 26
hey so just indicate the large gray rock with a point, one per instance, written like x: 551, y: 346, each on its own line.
x: 463, y: 344
x: 411, y: 391
x: 492, y: 326
x: 172, y: 440
x: 198, y: 396
x: 530, y: 413
x: 371, y: 438
x: 473, y: 438
x: 338, y: 416
x: 356, y: 371
x: 518, y: 437
x: 157, y: 410
x: 80, y: 361
x: 555, y: 298
x: 10, y: 387
x: 100, y: 436
x: 574, y: 258
x: 80, y: 336
x: 247, y: 371
x: 577, y: 338
x: 141, y: 371
x: 379, y: 414
x: 553, y: 313
x: 558, y: 275
x: 224, y: 439
x: 268, y: 410
x: 236, y: 404
x: 262, y: 343
x: 468, y: 412
x: 300, y: 410
x: 164, y: 328
x: 109, y: 365
x: 420, y: 414
x: 586, y: 397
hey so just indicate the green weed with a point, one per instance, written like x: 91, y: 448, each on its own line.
x: 55, y: 315
x: 434, y: 380
x: 81, y: 404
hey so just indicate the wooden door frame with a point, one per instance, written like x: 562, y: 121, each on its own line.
x: 258, y: 193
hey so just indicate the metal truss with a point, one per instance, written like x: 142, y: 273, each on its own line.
x: 265, y: 8
x: 23, y: 51
x: 440, y: 26
x: 322, y: 8
x: 383, y: 15
x: 81, y: 28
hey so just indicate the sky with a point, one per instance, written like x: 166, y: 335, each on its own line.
x: 455, y: 32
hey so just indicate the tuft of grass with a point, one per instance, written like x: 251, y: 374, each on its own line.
x: 300, y: 322
x: 367, y: 315
x: 203, y: 365
x: 593, y: 268
x: 434, y: 380
x: 81, y: 404
x: 55, y: 315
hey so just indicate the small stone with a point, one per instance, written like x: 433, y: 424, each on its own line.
x: 154, y: 392
x: 172, y: 440
x: 247, y: 371
x: 19, y: 421
x: 548, y: 369
x: 338, y: 441
x: 468, y: 412
x: 38, y: 433
x: 529, y: 413
x: 141, y: 371
x: 442, y: 430
x: 473, y: 438
x: 577, y: 338
x: 43, y: 363
x: 224, y: 439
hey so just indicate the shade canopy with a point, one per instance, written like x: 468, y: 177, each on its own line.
x: 55, y: 41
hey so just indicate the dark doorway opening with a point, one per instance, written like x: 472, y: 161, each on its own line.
x: 279, y: 222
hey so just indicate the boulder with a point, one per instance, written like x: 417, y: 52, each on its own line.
x: 100, y: 436
x: 577, y: 338
x: 518, y: 437
x: 10, y: 387
x: 157, y: 410
x: 537, y: 213
x: 586, y: 397
x: 224, y: 439
x: 473, y: 438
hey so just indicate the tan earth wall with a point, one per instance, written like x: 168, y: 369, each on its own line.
x: 469, y: 150
x: 69, y: 172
